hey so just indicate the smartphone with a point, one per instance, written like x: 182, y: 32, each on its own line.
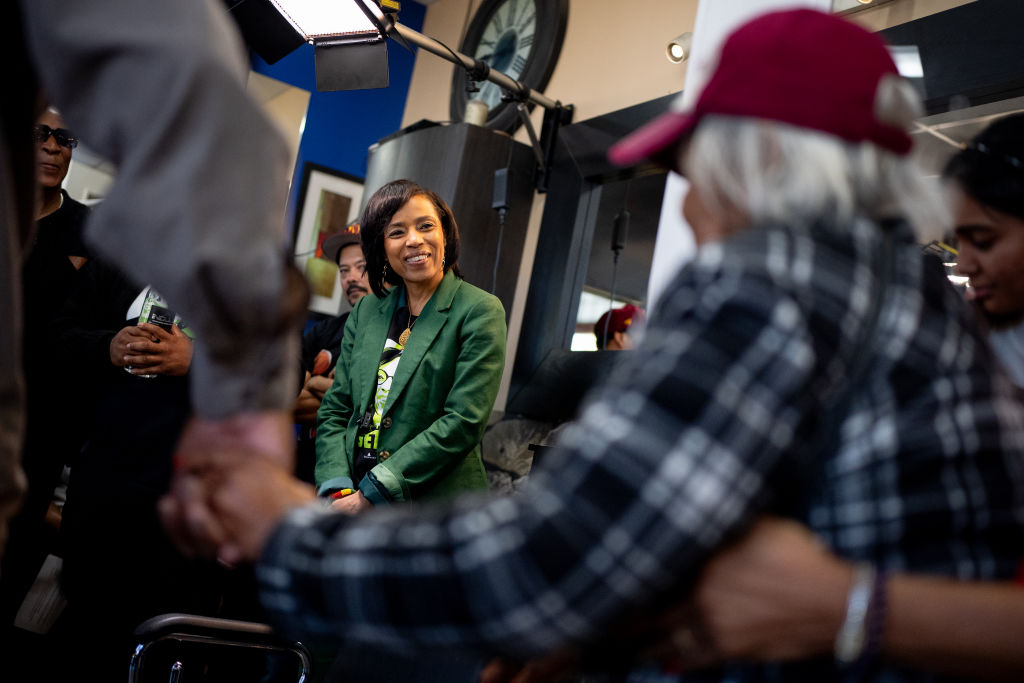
x: 161, y: 316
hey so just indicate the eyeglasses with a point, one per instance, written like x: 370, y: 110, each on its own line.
x: 64, y: 137
x: 359, y: 268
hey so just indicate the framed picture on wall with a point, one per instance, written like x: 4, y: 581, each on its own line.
x: 328, y: 201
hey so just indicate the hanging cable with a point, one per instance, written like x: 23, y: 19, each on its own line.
x: 500, y: 202
x: 497, y: 257
x: 611, y: 302
x: 620, y: 231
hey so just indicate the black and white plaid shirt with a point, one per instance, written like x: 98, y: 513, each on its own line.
x: 738, y: 401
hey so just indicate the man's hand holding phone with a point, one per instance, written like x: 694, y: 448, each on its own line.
x: 156, y: 351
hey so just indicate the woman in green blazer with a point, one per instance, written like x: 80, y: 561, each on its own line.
x: 419, y: 366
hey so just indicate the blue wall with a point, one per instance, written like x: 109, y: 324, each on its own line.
x: 341, y: 126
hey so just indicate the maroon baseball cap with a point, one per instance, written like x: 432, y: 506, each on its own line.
x: 333, y: 245
x: 621, y: 319
x: 801, y: 67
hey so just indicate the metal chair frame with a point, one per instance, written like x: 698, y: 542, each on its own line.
x: 209, y: 631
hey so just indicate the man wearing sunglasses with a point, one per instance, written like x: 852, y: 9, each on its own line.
x: 54, y: 143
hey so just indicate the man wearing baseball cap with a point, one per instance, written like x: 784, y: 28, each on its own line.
x: 346, y: 249
x: 612, y: 328
x: 808, y: 362
x: 320, y: 344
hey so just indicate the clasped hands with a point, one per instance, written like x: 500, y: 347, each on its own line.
x: 146, y: 349
x: 232, y: 485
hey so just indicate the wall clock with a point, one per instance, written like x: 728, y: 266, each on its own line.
x: 520, y: 38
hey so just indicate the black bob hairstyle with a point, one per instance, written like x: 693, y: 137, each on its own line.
x: 380, y: 209
x: 990, y: 170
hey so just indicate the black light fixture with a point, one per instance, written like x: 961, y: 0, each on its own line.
x: 350, y: 50
x: 314, y: 19
x: 350, y: 24
x: 348, y: 36
x: 348, y: 40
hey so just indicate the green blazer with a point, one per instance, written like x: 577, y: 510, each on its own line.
x: 440, y: 401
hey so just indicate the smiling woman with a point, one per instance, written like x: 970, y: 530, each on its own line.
x: 414, y: 243
x: 420, y: 364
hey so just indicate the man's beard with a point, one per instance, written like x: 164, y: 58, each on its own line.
x: 355, y: 288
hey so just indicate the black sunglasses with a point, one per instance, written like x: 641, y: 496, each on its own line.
x: 63, y: 136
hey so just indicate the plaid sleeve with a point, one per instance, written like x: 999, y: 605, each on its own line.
x: 670, y: 455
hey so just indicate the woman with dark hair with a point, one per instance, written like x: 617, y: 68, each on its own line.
x: 987, y: 182
x: 420, y: 364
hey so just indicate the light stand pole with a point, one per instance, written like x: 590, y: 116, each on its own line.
x: 556, y: 114
x: 474, y: 66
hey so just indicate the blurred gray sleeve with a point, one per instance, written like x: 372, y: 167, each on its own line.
x: 197, y: 209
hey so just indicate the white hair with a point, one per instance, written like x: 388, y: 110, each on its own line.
x: 772, y: 171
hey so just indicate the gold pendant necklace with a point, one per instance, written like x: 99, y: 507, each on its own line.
x: 404, y: 337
